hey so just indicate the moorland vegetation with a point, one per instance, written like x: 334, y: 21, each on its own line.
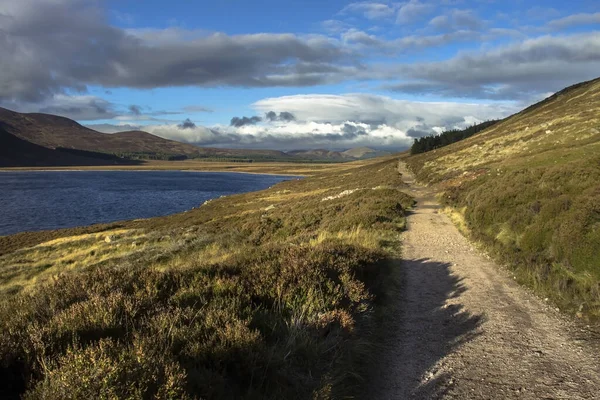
x: 271, y: 294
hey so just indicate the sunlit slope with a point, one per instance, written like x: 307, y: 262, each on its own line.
x: 529, y: 189
x: 558, y: 129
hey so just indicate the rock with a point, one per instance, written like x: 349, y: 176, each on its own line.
x: 108, y: 239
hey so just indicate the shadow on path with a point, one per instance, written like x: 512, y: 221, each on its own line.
x: 422, y: 324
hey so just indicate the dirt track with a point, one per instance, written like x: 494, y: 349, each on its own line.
x: 465, y: 330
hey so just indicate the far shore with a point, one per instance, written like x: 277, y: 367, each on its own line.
x: 259, y: 168
x: 104, y: 169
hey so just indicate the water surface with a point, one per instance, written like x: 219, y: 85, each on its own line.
x: 38, y: 200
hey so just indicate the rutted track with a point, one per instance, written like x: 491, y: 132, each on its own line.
x: 465, y: 330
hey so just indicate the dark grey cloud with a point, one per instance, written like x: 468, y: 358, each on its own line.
x: 187, y: 124
x: 282, y: 116
x: 83, y: 108
x: 237, y: 121
x: 135, y: 110
x: 519, y: 71
x: 286, y: 116
x: 68, y: 45
x: 97, y: 111
x: 353, y: 131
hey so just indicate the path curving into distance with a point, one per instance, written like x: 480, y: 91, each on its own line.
x: 464, y: 329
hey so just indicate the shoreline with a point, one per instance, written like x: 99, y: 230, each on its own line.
x: 264, y: 168
x: 26, y: 169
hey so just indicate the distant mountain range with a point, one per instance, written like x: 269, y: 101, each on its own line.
x: 35, y: 139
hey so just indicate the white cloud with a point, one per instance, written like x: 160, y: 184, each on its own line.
x: 371, y: 10
x: 457, y: 19
x: 574, y: 20
x: 412, y: 12
x: 400, y: 114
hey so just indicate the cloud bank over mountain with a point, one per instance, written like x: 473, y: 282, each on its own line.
x: 332, y: 121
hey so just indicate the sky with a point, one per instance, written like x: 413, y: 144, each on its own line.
x: 293, y: 74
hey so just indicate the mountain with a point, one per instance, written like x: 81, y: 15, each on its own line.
x: 319, y: 154
x: 364, y: 152
x: 74, y: 144
x: 528, y: 189
x: 243, y: 153
x: 16, y: 152
x: 53, y: 132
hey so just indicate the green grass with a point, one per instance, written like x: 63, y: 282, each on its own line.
x: 528, y: 189
x: 262, y: 295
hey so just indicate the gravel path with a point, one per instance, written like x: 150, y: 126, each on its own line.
x: 465, y: 330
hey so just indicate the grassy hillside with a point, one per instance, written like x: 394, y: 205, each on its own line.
x: 261, y: 295
x: 528, y: 188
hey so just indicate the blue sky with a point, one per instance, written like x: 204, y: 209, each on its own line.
x: 334, y: 74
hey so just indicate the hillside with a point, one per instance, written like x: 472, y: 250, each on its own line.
x: 16, y: 152
x: 52, y: 131
x: 528, y: 189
